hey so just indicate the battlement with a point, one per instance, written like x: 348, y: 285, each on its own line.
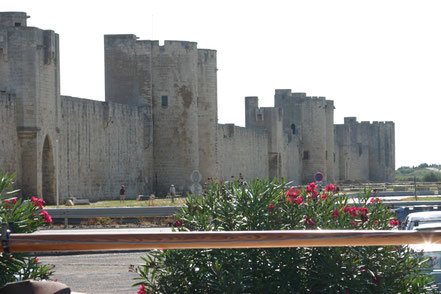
x: 207, y: 55
x: 13, y: 19
x: 169, y: 45
x: 350, y: 120
x: 383, y: 123
x: 173, y: 46
x: 353, y: 120
x: 299, y: 97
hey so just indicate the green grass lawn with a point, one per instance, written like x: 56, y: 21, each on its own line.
x: 127, y: 203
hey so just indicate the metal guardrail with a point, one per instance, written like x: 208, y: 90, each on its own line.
x: 161, y: 211
x: 79, y: 213
x: 394, y: 194
x: 412, y: 203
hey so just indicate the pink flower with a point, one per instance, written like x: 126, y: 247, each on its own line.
x: 351, y: 210
x: 354, y: 223
x: 329, y: 188
x: 324, y: 196
x: 177, y: 224
x: 394, y: 222
x: 363, y: 210
x: 335, y: 214
x: 373, y: 200
x: 38, y: 202
x: 142, y: 289
x: 37, y: 260
x: 271, y: 207
x: 310, y: 221
x: 311, y: 187
x: 293, y: 192
x: 295, y: 200
x: 56, y: 280
x: 47, y: 218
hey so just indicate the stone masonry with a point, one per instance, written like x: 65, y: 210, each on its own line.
x: 159, y: 125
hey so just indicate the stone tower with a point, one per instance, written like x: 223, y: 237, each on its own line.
x: 271, y: 120
x: 179, y: 82
x: 29, y: 70
x: 366, y: 150
x: 311, y: 119
x: 207, y: 112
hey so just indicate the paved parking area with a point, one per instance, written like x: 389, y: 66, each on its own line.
x: 96, y: 273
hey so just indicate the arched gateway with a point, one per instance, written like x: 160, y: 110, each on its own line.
x: 48, y: 172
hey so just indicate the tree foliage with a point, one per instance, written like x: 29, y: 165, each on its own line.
x: 22, y: 217
x: 265, y: 205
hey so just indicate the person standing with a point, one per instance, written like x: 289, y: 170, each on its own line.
x: 172, y: 193
x: 122, y: 194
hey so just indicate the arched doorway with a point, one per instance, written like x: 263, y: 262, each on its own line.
x: 48, y: 172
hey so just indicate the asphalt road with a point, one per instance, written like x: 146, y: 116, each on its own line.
x: 97, y: 272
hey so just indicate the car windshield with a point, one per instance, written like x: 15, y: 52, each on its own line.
x: 414, y: 224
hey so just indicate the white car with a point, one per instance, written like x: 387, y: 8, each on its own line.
x: 416, y: 219
x: 433, y: 251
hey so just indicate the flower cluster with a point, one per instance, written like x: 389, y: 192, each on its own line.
x: 311, y: 190
x: 351, y: 210
x: 294, y: 196
x: 142, y: 289
x: 9, y: 201
x: 47, y: 218
x: 39, y: 202
x: 394, y: 222
x: 330, y: 188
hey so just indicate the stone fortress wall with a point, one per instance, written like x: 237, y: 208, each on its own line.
x: 158, y: 124
x: 103, y: 145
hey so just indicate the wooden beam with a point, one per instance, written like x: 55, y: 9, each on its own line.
x: 199, y: 240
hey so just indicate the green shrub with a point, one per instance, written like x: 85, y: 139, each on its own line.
x: 25, y: 217
x: 264, y: 205
x: 432, y: 177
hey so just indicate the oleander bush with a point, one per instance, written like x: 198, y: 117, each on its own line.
x: 266, y: 205
x: 21, y: 217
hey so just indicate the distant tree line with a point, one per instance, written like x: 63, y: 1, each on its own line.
x: 421, y: 173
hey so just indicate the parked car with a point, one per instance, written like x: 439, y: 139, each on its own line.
x: 416, y: 219
x: 433, y: 251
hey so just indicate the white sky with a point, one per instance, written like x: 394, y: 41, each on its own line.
x: 378, y: 60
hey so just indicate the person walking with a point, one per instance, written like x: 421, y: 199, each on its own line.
x: 122, y: 194
x: 172, y: 193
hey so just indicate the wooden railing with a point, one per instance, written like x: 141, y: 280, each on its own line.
x: 36, y: 242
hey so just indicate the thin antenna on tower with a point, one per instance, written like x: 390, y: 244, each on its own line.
x: 152, y: 27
